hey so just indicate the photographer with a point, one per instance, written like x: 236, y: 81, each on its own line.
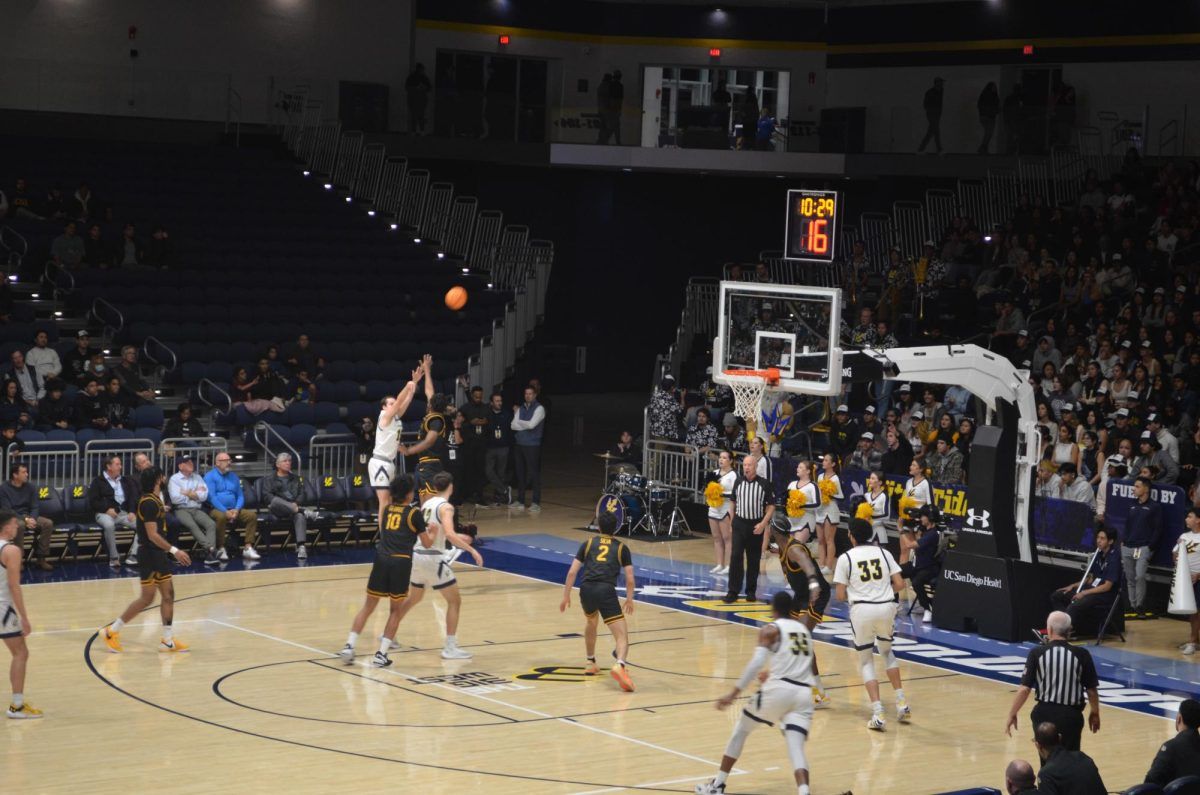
x: 926, y: 563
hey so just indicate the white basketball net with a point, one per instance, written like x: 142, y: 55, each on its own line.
x: 747, y: 396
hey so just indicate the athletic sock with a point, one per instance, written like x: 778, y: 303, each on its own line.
x: 876, y: 707
x: 116, y: 626
x: 900, y: 694
x: 452, y: 641
x: 721, y: 776
x: 18, y: 700
x: 352, y: 639
x: 168, y: 633
x: 620, y: 662
x: 803, y: 789
x: 592, y: 659
x: 384, y: 645
x: 819, y: 685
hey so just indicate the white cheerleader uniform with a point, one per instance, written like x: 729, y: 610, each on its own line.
x: 830, y: 512
x: 919, y: 492
x: 812, y: 501
x: 879, y: 512
x: 726, y: 481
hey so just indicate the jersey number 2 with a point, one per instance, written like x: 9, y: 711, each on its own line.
x: 799, y: 643
x: 602, y: 553
x: 870, y: 570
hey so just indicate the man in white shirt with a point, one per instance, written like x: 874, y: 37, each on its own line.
x: 43, y: 358
x: 1167, y: 239
x: 1166, y: 439
x: 1074, y: 487
x: 868, y: 577
x: 188, y: 491
x: 1049, y: 484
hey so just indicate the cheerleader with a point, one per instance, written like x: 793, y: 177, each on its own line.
x: 828, y: 513
x: 802, y: 502
x: 877, y: 498
x: 916, y: 494
x: 720, y: 517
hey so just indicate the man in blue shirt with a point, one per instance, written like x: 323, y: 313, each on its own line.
x: 1090, y: 599
x: 926, y: 564
x: 1143, y: 528
x: 228, y: 505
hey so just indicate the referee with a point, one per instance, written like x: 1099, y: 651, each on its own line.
x: 753, y: 506
x: 1061, y: 673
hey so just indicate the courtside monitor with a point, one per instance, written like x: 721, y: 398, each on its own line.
x: 786, y: 327
x: 812, y: 225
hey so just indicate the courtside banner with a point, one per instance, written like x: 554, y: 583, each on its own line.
x: 1174, y: 504
x: 951, y: 499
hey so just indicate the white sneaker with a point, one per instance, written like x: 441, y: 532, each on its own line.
x: 222, y: 554
x: 311, y: 514
x: 1189, y: 648
x: 820, y: 699
x: 903, y: 712
x: 1184, y: 645
x: 724, y: 572
x: 877, y: 722
x: 517, y: 506
x: 301, y: 552
x: 927, y: 618
x: 715, y: 569
x: 455, y: 653
x: 347, y: 654
x: 535, y: 508
x: 380, y: 661
x: 250, y: 553
x: 710, y: 788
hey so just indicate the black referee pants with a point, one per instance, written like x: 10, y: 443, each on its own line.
x: 749, y: 545
x: 1069, y: 721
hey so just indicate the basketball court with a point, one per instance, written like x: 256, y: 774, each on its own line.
x: 262, y: 688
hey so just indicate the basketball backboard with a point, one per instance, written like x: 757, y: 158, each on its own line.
x: 789, y: 327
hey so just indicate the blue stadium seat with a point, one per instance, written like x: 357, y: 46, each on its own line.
x: 218, y: 371
x: 337, y: 427
x: 1144, y: 789
x: 60, y: 435
x: 31, y: 436
x: 1187, y: 785
x: 366, y: 371
x: 340, y: 392
x: 325, y: 412
x: 301, y: 414
x: 85, y: 435
x: 152, y: 435
x: 300, y: 435
x: 148, y: 417
x: 117, y: 434
x: 191, y: 372
x: 376, y: 390
x: 358, y: 409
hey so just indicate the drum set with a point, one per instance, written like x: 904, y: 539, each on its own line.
x: 640, y: 505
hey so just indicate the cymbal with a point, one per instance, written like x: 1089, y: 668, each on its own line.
x: 608, y: 456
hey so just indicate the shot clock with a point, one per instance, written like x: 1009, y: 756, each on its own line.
x: 812, y: 225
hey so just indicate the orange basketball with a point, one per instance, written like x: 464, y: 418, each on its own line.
x: 456, y: 298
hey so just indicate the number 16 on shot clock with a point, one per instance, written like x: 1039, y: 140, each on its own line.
x: 812, y: 225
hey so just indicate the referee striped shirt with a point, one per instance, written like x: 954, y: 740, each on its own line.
x: 1060, y: 673
x: 751, y: 497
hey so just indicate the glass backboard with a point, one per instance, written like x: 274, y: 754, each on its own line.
x: 792, y: 328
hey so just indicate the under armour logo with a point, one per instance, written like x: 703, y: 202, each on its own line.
x: 978, y: 521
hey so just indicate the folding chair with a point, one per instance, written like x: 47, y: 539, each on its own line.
x: 1115, y: 612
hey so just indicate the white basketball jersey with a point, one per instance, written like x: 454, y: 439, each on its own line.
x: 433, y: 521
x: 792, y: 658
x: 387, y: 438
x: 5, y: 594
x: 866, y: 571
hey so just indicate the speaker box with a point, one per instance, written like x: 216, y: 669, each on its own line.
x: 990, y: 525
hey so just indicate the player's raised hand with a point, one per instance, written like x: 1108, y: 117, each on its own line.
x: 417, y: 373
x: 427, y: 363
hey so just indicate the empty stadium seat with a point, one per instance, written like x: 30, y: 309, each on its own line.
x: 148, y: 417
x: 325, y: 412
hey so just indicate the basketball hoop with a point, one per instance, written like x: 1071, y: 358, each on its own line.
x: 748, y: 387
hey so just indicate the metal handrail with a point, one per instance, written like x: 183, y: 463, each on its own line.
x: 201, y: 393
x: 20, y: 245
x: 109, y: 329
x: 263, y: 433
x: 146, y: 352
x: 51, y: 278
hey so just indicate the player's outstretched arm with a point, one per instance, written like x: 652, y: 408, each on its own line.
x: 403, y: 400
x: 460, y: 541
x: 568, y: 584
x: 421, y: 446
x: 11, y: 558
x: 768, y: 637
x: 427, y: 367
x: 630, y: 589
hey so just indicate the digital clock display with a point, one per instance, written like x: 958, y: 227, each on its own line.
x: 811, y: 225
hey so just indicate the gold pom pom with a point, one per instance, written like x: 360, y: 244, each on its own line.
x: 713, y: 495
x: 864, y: 511
x: 828, y: 489
x: 906, y: 504
x: 795, y: 504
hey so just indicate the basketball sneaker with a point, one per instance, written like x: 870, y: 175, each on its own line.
x: 112, y: 639
x: 877, y: 722
x: 455, y: 653
x: 591, y: 669
x: 903, y: 711
x: 621, y: 674
x: 24, y: 712
x: 174, y: 645
x: 301, y: 552
x: 821, y: 699
x: 380, y: 661
x: 1188, y: 648
x: 347, y: 654
x: 710, y: 788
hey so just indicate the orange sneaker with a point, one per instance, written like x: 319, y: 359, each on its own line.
x: 173, y: 645
x: 621, y: 674
x: 111, y: 639
x: 591, y: 669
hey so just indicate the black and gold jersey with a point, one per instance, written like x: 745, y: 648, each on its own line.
x: 438, y: 451
x: 796, y: 576
x: 603, y: 557
x: 150, y: 509
x: 401, y: 526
